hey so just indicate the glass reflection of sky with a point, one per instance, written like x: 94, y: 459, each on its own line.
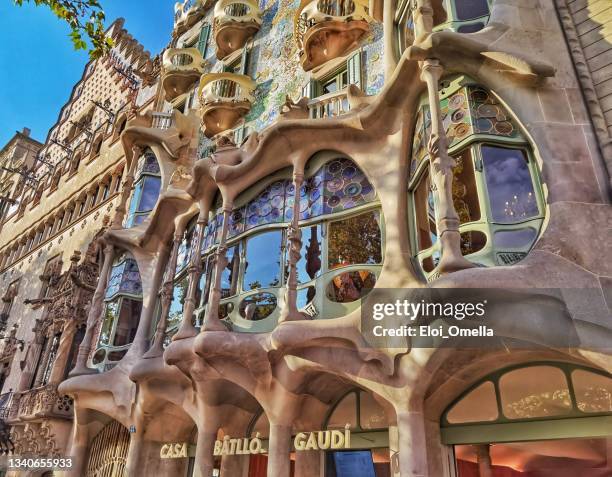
x: 150, y: 193
x: 263, y: 261
x: 509, y: 185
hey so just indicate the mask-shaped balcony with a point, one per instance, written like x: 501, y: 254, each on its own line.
x: 188, y: 13
x: 328, y: 29
x: 235, y: 22
x: 182, y: 68
x: 225, y: 98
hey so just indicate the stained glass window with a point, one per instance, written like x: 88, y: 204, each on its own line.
x: 470, y: 9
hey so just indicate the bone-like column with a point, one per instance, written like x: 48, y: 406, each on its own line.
x: 187, y: 330
x: 126, y: 190
x: 294, y: 238
x: 166, y: 292
x: 211, y: 319
x: 204, y: 458
x: 441, y: 171
x: 279, y: 450
x: 413, y: 451
x: 95, y: 314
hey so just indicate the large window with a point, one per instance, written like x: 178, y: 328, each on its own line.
x: 123, y: 304
x: 507, y: 422
x: 341, y: 253
x: 146, y: 189
x: 495, y: 189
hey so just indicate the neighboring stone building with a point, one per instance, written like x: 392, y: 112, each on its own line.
x: 59, y: 199
x: 284, y: 160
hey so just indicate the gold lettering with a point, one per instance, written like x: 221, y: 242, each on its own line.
x: 163, y: 452
x: 217, y: 451
x: 300, y: 441
x: 337, y: 439
x: 312, y: 442
x: 323, y: 439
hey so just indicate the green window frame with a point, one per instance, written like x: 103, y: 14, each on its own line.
x: 320, y: 284
x: 486, y: 240
x: 573, y: 424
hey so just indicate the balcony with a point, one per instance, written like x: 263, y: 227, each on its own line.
x: 43, y: 402
x: 328, y: 29
x: 225, y: 98
x: 188, y: 13
x: 235, y: 22
x: 182, y: 68
x: 329, y: 105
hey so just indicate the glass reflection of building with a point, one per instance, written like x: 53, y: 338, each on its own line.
x: 123, y: 305
x: 147, y: 185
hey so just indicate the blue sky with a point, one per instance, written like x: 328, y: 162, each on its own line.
x: 38, y: 65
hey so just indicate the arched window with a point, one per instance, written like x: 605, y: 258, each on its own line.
x: 123, y: 304
x: 147, y: 186
x: 516, y: 412
x: 96, y: 147
x: 496, y: 191
x: 120, y: 126
x: 76, y: 162
x: 341, y: 254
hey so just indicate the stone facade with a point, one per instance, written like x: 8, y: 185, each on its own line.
x: 283, y: 159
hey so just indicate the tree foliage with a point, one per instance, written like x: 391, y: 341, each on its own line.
x: 86, y: 21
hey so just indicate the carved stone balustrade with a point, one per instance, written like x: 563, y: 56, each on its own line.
x: 235, y: 22
x: 42, y: 402
x: 329, y: 105
x: 182, y: 68
x: 328, y: 29
x: 225, y: 99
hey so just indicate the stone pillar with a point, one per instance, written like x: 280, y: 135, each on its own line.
x: 279, y: 448
x: 167, y: 292
x: 294, y: 237
x: 141, y: 340
x: 63, y: 352
x: 211, y: 320
x: 484, y: 460
x: 412, y: 444
x: 128, y: 185
x: 204, y: 458
x: 308, y: 464
x: 135, y: 451
x: 423, y: 20
x: 441, y: 171
x: 394, y: 450
x: 79, y: 447
x: 234, y: 466
x: 95, y: 314
x: 187, y: 330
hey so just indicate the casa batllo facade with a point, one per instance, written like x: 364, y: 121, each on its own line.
x: 274, y: 165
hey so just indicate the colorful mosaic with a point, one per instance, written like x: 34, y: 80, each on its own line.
x: 337, y: 186
x: 470, y: 110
